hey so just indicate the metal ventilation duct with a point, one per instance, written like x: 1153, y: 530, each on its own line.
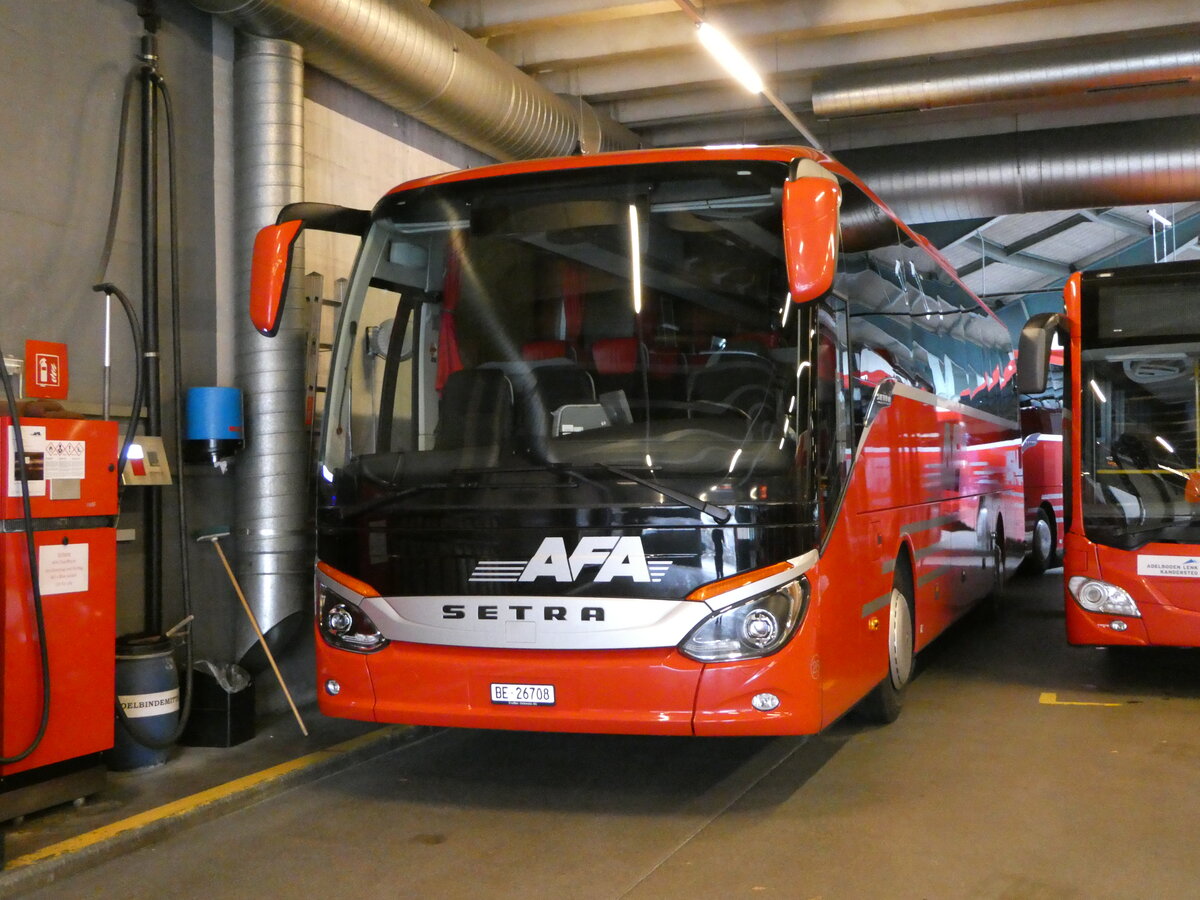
x: 1081, y: 68
x: 405, y: 55
x: 1152, y: 161
x: 271, y: 514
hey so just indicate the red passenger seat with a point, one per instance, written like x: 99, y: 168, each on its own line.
x: 617, y: 362
x: 550, y: 349
x: 616, y: 356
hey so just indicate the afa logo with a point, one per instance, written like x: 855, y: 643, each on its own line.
x: 615, y: 557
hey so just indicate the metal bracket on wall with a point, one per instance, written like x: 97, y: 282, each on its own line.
x: 15, y: 368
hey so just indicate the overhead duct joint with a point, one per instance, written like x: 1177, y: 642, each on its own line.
x: 407, y: 56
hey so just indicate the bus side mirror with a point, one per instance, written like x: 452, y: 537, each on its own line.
x: 810, y: 234
x: 1033, y: 352
x: 269, y: 269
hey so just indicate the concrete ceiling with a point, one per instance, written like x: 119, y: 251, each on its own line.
x: 885, y: 74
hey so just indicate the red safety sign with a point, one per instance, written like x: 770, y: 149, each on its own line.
x: 46, y: 370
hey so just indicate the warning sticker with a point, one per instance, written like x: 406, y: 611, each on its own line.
x: 1169, y: 566
x: 65, y: 459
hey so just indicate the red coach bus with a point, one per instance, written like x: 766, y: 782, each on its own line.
x: 1132, y: 551
x: 693, y: 442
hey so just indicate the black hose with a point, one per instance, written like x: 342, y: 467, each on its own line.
x: 114, y: 208
x: 139, y: 381
x: 34, y: 580
x: 177, y: 373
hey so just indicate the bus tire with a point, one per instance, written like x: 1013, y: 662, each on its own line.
x: 1042, y: 546
x: 999, y: 563
x: 882, y: 706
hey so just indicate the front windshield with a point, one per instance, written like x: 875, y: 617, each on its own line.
x: 1140, y: 449
x: 630, y: 317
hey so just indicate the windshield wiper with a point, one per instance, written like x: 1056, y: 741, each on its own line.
x: 719, y: 513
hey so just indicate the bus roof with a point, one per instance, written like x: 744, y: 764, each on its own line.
x: 781, y: 153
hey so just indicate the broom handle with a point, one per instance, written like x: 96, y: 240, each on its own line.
x: 262, y: 640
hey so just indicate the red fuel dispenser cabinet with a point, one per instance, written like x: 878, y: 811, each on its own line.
x: 72, y: 468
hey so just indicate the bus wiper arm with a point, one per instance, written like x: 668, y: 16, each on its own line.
x: 719, y: 513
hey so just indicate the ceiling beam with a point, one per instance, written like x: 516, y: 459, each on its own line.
x: 612, y: 75
x: 491, y: 20
x: 553, y: 43
x: 1121, y: 223
x: 994, y: 253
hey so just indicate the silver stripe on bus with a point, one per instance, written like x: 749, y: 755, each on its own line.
x: 877, y: 604
x: 547, y: 623
x: 798, y: 566
x: 929, y: 524
x: 552, y: 623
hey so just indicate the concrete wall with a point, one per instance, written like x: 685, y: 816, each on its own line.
x: 63, y: 71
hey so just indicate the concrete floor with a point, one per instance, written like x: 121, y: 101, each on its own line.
x: 1020, y: 768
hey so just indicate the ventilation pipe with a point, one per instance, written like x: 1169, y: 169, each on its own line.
x: 1124, y: 164
x: 271, y: 515
x: 1083, y: 67
x: 407, y: 56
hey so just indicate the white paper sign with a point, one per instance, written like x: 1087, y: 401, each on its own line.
x: 1169, y: 566
x: 63, y: 568
x: 65, y: 459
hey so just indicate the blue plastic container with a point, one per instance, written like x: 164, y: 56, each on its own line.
x: 213, y: 430
x: 148, y: 692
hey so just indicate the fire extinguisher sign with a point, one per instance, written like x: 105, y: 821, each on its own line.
x: 46, y: 370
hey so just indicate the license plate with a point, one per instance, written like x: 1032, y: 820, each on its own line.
x: 523, y: 694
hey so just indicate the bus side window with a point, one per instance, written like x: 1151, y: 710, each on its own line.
x: 868, y: 277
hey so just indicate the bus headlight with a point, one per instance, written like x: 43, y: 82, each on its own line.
x: 752, y: 628
x: 1102, y: 597
x: 345, y: 625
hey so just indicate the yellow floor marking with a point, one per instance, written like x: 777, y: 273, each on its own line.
x: 1051, y: 699
x: 198, y: 801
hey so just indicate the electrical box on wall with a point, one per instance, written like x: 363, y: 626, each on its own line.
x: 15, y: 368
x: 146, y: 462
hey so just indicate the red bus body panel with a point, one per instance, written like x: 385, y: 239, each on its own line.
x: 948, y: 541
x: 1170, y: 607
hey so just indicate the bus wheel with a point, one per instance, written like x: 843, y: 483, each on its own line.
x: 882, y: 705
x: 1042, y: 546
x: 999, y: 559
